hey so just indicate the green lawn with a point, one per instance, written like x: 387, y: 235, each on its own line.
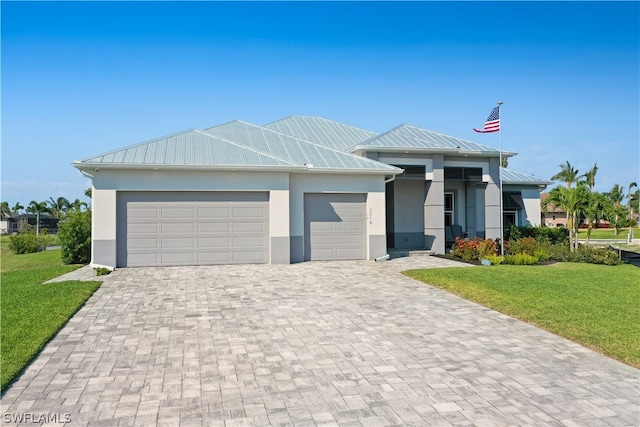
x: 608, y: 233
x: 596, y: 306
x: 32, y: 313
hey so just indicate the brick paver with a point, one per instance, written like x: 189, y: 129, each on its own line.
x: 311, y: 344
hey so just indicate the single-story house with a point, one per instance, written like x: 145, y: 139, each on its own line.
x: 301, y: 188
x: 14, y: 222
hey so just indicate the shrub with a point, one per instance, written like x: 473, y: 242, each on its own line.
x: 594, y: 256
x: 102, y: 271
x: 26, y: 241
x: 473, y: 249
x: 542, y: 255
x: 74, y: 233
x: 520, y: 259
x: 541, y: 234
x: 494, y: 259
x: 527, y: 245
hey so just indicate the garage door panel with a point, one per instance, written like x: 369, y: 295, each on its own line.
x: 183, y: 228
x: 350, y: 253
x: 248, y: 227
x: 247, y: 257
x: 348, y: 239
x: 177, y: 227
x: 177, y: 258
x: 247, y: 242
x: 246, y: 212
x: 142, y: 243
x: 323, y: 239
x: 178, y: 242
x: 214, y: 242
x: 143, y: 259
x: 214, y: 258
x: 144, y: 227
x: 222, y: 213
x: 335, y: 226
x: 213, y: 227
x: 176, y: 212
x: 346, y: 227
x: 139, y: 212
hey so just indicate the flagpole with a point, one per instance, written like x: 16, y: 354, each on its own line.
x: 500, y: 178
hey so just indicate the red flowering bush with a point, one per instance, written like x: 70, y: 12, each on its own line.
x: 474, y: 249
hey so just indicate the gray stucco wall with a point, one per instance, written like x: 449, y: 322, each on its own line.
x: 434, y: 208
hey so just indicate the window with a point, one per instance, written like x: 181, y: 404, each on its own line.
x: 509, y: 218
x: 412, y: 172
x: 448, y: 209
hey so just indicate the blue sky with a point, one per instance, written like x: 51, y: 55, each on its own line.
x: 79, y: 79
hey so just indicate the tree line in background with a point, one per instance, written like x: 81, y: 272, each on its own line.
x: 57, y: 208
x: 582, y: 203
x: 73, y: 231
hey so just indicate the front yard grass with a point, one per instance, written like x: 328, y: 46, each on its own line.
x: 594, y: 305
x: 32, y: 313
x: 607, y: 234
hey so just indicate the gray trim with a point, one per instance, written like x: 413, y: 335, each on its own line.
x: 297, y: 249
x: 408, y: 240
x: 280, y: 250
x: 104, y: 252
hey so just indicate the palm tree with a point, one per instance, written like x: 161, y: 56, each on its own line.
x: 632, y: 185
x: 77, y: 205
x: 88, y: 192
x: 573, y: 202
x: 635, y: 201
x: 4, y: 209
x: 58, y: 206
x: 594, y: 210
x: 616, y: 195
x: 38, y: 208
x: 17, y: 207
x: 590, y: 176
x: 567, y: 174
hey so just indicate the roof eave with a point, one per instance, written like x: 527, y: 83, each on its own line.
x: 133, y: 166
x: 93, y: 167
x: 414, y: 150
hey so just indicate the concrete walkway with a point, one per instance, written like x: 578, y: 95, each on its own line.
x: 311, y: 344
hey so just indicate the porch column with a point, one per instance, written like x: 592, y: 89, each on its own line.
x: 434, y: 208
x: 492, y: 200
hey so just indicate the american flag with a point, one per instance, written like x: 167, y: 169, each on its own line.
x: 493, y: 122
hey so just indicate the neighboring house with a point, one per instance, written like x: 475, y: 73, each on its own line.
x: 301, y: 188
x: 552, y: 216
x: 15, y: 222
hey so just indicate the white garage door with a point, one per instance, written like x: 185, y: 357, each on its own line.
x: 192, y: 228
x: 334, y: 226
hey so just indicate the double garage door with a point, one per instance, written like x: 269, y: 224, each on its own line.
x: 192, y: 228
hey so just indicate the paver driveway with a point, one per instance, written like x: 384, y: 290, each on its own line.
x: 344, y: 343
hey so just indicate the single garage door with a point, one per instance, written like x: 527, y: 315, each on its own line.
x: 192, y: 228
x: 334, y: 226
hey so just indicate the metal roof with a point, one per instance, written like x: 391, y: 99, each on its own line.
x: 329, y: 133
x: 512, y: 177
x: 189, y: 148
x: 295, y: 150
x: 413, y: 138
